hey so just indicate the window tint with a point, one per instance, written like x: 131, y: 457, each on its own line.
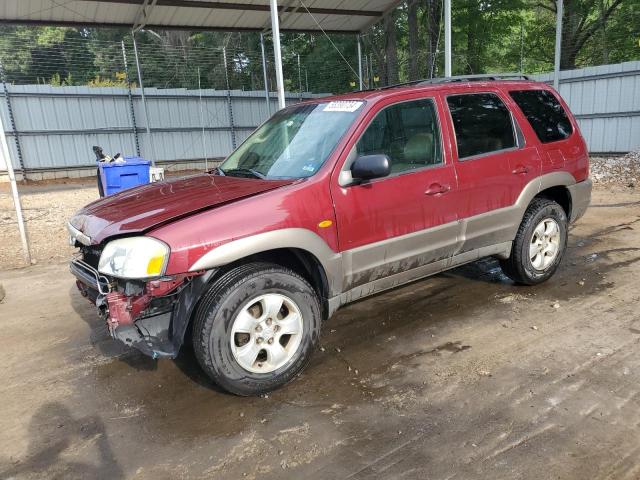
x: 544, y: 113
x: 482, y: 123
x: 407, y: 133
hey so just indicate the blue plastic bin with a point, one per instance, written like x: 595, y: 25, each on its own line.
x: 116, y: 177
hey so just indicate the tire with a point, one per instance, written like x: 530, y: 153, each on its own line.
x: 520, y: 265
x: 248, y: 294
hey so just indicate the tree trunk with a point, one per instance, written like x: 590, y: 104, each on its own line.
x: 577, y: 29
x: 412, y: 21
x: 391, y: 47
x: 570, y: 29
x: 432, y: 25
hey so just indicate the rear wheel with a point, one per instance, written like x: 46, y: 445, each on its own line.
x: 256, y: 328
x: 539, y: 244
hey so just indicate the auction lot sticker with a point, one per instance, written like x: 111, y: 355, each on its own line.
x: 342, y: 106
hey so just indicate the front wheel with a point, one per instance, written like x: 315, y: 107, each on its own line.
x: 256, y: 328
x: 539, y: 244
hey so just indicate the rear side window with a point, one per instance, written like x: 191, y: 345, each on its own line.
x: 544, y: 113
x: 407, y: 133
x: 482, y: 123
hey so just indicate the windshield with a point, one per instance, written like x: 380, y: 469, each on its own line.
x: 294, y: 143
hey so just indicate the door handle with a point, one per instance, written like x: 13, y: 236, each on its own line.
x: 437, y: 189
x: 520, y: 170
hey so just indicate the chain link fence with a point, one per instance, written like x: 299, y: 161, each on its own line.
x: 502, y: 36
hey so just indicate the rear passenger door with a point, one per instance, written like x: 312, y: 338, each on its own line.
x: 493, y: 164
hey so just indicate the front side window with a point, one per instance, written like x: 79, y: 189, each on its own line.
x: 545, y: 114
x: 482, y: 124
x: 294, y: 143
x: 407, y: 133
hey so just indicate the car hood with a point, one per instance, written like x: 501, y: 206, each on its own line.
x: 148, y: 206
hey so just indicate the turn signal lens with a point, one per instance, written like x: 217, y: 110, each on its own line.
x: 154, y: 268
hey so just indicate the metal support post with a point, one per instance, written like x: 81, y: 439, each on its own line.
x: 129, y: 94
x: 558, y: 52
x: 144, y: 100
x: 299, y: 78
x: 360, y: 63
x: 447, y: 38
x: 265, y: 75
x: 229, y: 104
x: 275, y: 29
x: 204, y: 141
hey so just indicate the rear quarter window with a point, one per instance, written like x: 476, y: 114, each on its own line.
x: 545, y: 114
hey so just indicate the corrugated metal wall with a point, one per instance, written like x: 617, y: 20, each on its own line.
x: 57, y: 126
x: 606, y: 103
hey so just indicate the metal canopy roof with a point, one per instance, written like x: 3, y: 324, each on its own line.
x: 349, y: 16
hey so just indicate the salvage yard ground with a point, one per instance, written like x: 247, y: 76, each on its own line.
x: 463, y: 375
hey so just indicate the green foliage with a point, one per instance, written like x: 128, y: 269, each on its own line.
x: 497, y: 36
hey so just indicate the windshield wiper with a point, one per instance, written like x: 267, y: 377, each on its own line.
x: 247, y: 172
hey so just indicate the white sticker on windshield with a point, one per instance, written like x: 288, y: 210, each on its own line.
x: 342, y: 106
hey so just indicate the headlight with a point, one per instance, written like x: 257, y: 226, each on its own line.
x: 134, y: 257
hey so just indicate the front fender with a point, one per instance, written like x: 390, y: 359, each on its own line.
x: 299, y: 238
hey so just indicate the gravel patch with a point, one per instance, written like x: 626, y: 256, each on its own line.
x: 623, y: 170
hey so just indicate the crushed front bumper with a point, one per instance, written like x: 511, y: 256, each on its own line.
x: 139, y: 314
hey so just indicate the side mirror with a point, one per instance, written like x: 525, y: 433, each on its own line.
x: 368, y: 167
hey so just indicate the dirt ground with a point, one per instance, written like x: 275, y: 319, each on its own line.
x: 460, y: 376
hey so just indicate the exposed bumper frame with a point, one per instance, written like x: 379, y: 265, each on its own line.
x: 159, y: 335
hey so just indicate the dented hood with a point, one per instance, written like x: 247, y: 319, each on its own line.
x: 142, y: 208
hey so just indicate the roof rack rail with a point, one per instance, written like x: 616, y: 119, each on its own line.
x: 459, y: 78
x: 478, y: 78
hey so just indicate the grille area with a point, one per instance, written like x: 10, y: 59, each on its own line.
x: 91, y: 255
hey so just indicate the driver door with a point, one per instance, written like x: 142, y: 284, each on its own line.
x: 403, y: 222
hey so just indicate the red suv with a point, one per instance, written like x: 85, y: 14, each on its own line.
x: 327, y: 202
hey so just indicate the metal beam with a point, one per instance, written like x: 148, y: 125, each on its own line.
x: 558, y: 52
x: 143, y: 14
x: 275, y: 29
x: 188, y: 28
x: 372, y: 22
x: 244, y: 7
x: 447, y: 38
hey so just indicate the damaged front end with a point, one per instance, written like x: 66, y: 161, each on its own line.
x: 149, y: 315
